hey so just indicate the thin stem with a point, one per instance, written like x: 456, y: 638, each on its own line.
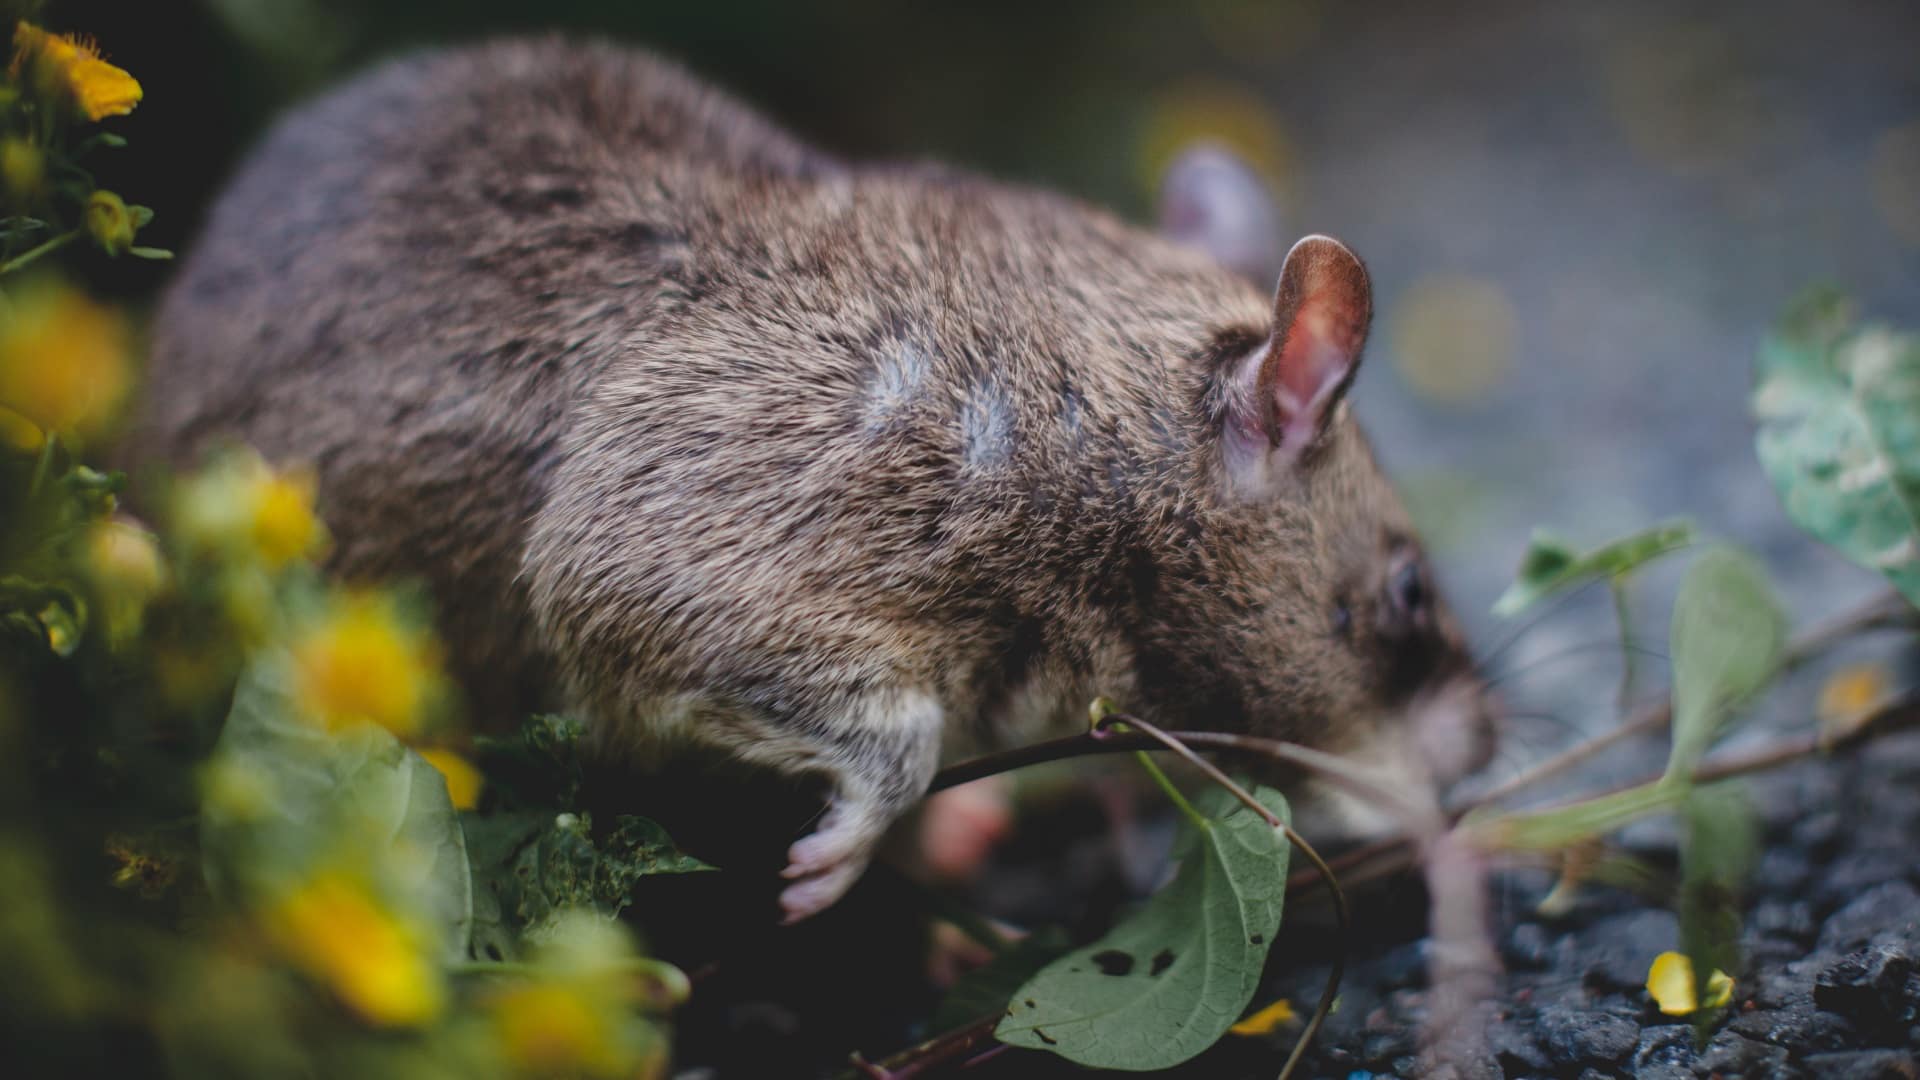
x: 42, y: 465
x: 1173, y: 793
x: 1618, y: 587
x: 1648, y: 720
x: 45, y: 247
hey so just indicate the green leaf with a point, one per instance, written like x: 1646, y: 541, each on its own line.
x: 537, y: 766
x: 1725, y: 643
x: 1550, y: 564
x: 321, y: 792
x: 1168, y: 983
x: 1839, y: 414
x: 1717, y: 851
x: 529, y: 866
x: 141, y: 216
x: 149, y: 253
x: 988, y: 988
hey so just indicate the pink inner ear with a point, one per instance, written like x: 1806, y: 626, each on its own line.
x: 1316, y: 359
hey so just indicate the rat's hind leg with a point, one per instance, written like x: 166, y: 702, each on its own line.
x: 879, y: 755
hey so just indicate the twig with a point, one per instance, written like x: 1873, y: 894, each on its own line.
x: 920, y: 1057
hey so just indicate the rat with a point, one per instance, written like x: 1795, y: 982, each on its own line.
x: 839, y: 470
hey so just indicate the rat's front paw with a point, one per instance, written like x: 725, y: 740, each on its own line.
x: 823, y: 867
x: 826, y: 863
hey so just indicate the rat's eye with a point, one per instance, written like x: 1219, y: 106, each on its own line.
x: 1342, y: 619
x: 1407, y: 592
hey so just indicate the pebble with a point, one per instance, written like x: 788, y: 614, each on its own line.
x: 1615, y: 952
x: 1730, y: 1054
x: 1889, y: 906
x: 1573, y: 1036
x: 1875, y: 987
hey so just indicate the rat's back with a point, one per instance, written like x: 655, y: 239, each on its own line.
x: 411, y: 278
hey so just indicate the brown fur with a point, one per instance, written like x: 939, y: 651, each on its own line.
x: 815, y: 464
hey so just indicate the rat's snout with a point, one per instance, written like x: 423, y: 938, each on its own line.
x: 1455, y: 727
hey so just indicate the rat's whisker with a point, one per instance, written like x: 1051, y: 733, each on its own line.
x: 1553, y: 607
x: 1585, y: 648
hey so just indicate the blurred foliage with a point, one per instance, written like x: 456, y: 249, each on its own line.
x: 1839, y: 411
x: 228, y: 843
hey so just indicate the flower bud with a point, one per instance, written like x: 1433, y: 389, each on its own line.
x: 109, y: 222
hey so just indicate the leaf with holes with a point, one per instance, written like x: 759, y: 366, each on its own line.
x: 1551, y: 565
x: 1168, y: 983
x: 532, y: 866
x: 1839, y: 412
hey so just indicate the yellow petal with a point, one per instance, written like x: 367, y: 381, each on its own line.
x: 1848, y: 698
x: 1670, y: 982
x: 1719, y: 990
x: 463, y: 780
x: 1264, y: 1021
x: 375, y: 962
x: 102, y: 89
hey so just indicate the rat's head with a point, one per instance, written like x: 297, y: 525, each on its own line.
x: 1312, y: 614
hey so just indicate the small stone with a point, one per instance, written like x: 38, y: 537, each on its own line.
x: 1893, y: 906
x: 1864, y: 1065
x: 1731, y: 1054
x: 1529, y: 947
x: 1402, y: 966
x: 1669, y: 1046
x: 1516, y: 1051
x: 1572, y: 1036
x: 1872, y: 987
x: 1615, y: 952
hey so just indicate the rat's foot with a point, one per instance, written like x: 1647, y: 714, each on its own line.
x: 825, y: 863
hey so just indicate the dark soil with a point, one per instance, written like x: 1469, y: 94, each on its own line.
x: 1832, y: 942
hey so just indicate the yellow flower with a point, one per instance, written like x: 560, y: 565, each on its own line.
x: 239, y: 508
x: 63, y: 362
x: 579, y: 1013
x: 548, y: 1028
x: 361, y: 662
x: 109, y: 222
x: 72, y: 64
x: 375, y: 962
x: 124, y: 563
x: 1670, y: 982
x: 285, y: 527
x: 1267, y: 1019
x: 463, y: 780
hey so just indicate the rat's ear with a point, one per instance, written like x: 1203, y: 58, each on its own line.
x: 1212, y: 200
x: 1282, y: 396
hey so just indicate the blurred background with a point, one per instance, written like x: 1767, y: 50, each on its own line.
x: 1580, y: 217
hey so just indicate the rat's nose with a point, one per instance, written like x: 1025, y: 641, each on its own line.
x: 1456, y: 727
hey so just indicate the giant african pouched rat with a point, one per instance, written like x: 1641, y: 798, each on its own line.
x: 823, y: 466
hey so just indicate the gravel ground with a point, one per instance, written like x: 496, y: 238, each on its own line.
x: 1832, y: 943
